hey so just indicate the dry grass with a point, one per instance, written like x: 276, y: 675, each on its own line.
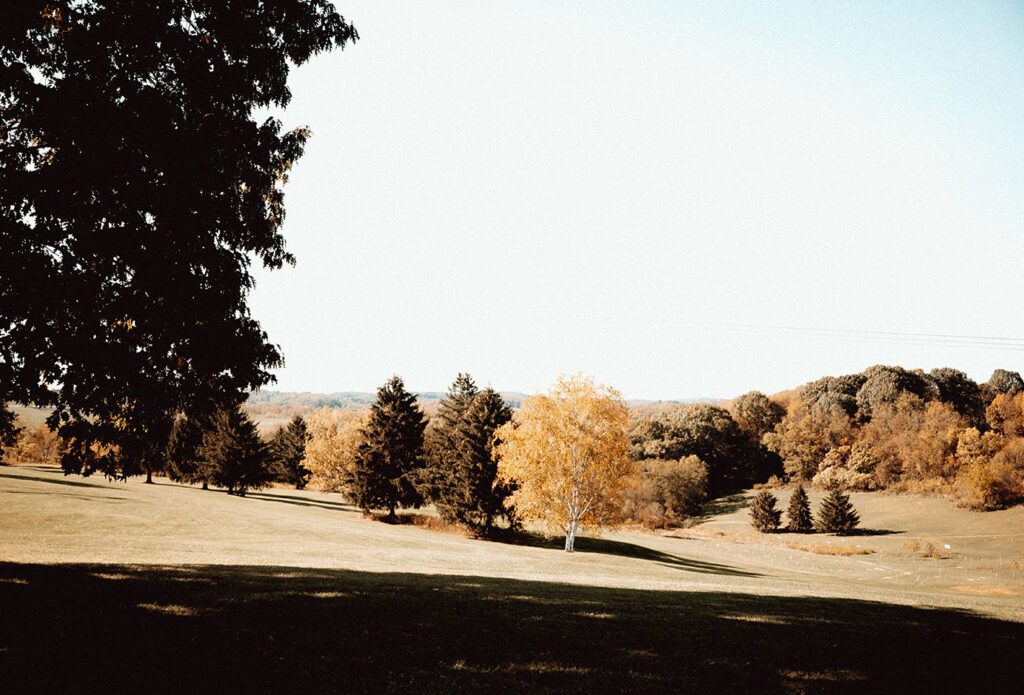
x: 825, y: 549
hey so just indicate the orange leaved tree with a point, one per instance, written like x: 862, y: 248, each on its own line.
x: 566, y: 457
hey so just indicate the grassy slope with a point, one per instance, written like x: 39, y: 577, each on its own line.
x: 308, y: 594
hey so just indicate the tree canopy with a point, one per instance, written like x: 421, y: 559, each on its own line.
x: 566, y: 456
x: 136, y: 189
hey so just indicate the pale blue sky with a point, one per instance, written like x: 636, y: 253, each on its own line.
x: 525, y: 189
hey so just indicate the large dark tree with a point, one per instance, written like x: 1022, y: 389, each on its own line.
x: 136, y: 189
x: 287, y: 450
x: 709, y: 433
x: 182, y: 455
x: 232, y: 454
x: 961, y: 392
x: 389, y: 460
x: 9, y: 431
x: 441, y: 442
x: 471, y: 495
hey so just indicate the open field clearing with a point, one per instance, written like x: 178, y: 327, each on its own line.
x: 114, y: 582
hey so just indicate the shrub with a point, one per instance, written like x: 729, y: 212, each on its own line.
x: 36, y: 445
x: 763, y: 514
x: 989, y: 485
x: 667, y: 492
x: 836, y: 514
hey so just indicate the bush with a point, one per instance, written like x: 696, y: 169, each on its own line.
x: 36, y: 445
x: 836, y: 514
x: 763, y: 514
x: 989, y: 485
x: 667, y: 492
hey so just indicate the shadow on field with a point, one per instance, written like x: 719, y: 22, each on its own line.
x: 639, y: 552
x: 722, y: 505
x: 301, y: 501
x: 54, y: 481
x: 268, y: 629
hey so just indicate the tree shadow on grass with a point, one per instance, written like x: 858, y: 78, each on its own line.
x: 726, y: 504
x: 606, y: 546
x: 302, y: 501
x: 874, y: 532
x: 53, y: 481
x: 276, y: 629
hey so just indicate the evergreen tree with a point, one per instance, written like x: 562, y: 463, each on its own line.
x: 182, y: 455
x: 441, y: 442
x: 763, y: 513
x: 287, y: 450
x: 836, y: 514
x: 388, y: 463
x: 799, y: 512
x: 232, y: 455
x: 471, y: 495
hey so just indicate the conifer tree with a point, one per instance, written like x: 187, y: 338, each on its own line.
x: 232, y: 455
x: 287, y: 450
x: 389, y: 461
x: 182, y: 455
x: 763, y: 513
x: 836, y: 514
x: 441, y: 442
x: 472, y: 495
x: 799, y: 512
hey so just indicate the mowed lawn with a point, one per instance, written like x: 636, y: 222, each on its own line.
x: 126, y: 587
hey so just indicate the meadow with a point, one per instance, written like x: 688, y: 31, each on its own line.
x: 127, y: 587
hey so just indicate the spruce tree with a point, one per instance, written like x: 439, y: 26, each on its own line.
x: 389, y: 460
x: 182, y: 455
x: 232, y: 455
x: 799, y: 512
x: 836, y: 514
x: 763, y: 514
x: 441, y: 443
x: 287, y: 450
x: 472, y: 496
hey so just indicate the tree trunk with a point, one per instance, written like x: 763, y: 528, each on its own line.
x: 570, y: 537
x: 149, y: 477
x: 206, y: 485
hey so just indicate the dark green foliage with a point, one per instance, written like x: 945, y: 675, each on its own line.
x: 287, y: 450
x: 707, y: 432
x: 232, y: 455
x: 961, y: 392
x: 472, y: 496
x: 884, y: 385
x: 441, y: 443
x: 136, y: 189
x: 1002, y: 381
x: 9, y: 432
x: 460, y: 473
x: 799, y: 512
x: 182, y: 455
x: 389, y: 461
x: 832, y: 395
x: 755, y: 413
x: 836, y: 514
x: 763, y: 514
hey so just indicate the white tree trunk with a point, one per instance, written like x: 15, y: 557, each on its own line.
x: 570, y: 537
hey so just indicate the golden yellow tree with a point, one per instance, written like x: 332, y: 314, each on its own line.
x: 334, y: 437
x: 566, y: 457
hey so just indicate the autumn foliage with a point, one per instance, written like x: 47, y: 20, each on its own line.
x: 566, y: 457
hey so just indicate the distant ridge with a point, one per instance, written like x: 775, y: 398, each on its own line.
x: 354, y: 400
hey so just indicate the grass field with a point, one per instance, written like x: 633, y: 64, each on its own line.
x: 129, y: 587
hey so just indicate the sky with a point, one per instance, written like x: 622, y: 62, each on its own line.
x: 681, y: 199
